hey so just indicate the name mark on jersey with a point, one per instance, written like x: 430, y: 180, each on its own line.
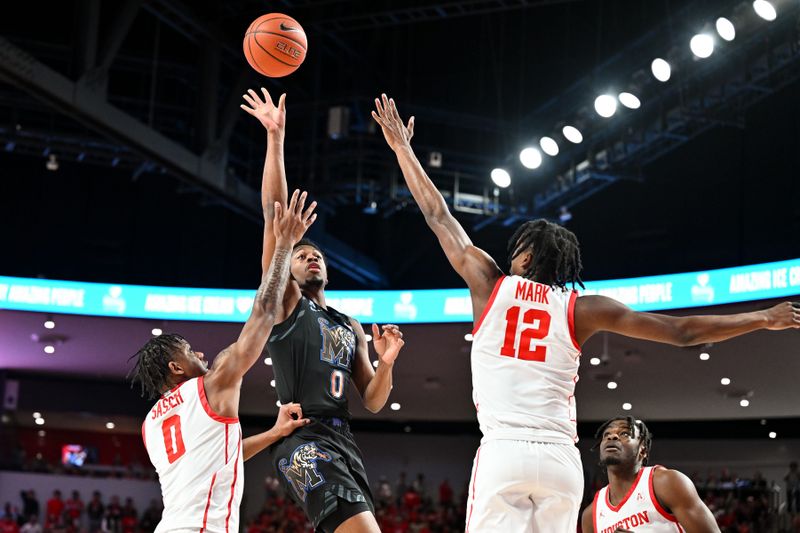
x: 635, y: 520
x: 338, y: 343
x: 165, y: 404
x: 532, y: 292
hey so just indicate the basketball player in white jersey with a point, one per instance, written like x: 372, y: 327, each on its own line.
x: 528, y: 330
x: 638, y: 498
x: 192, y: 433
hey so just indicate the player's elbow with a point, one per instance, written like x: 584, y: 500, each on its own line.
x: 684, y: 335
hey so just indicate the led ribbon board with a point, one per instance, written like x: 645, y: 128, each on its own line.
x: 653, y: 293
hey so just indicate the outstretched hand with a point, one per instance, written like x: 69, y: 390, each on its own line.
x: 783, y: 316
x: 388, y: 342
x: 291, y: 223
x: 271, y: 117
x: 396, y: 133
x: 290, y: 417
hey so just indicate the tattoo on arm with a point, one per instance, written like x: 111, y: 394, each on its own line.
x: 271, y: 289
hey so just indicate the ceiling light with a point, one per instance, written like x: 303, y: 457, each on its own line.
x: 660, y: 69
x: 626, y: 406
x: 594, y: 361
x: 530, y: 158
x: 375, y: 363
x: 725, y: 381
x: 268, y: 361
x: 272, y: 383
x: 395, y: 406
x: 629, y: 100
x: 110, y: 425
x: 37, y: 414
x: 156, y: 332
x: 725, y: 29
x: 49, y: 324
x: 702, y: 45
x: 765, y: 10
x: 468, y: 337
x: 39, y: 421
x: 549, y: 146
x: 501, y: 177
x: 572, y: 134
x: 744, y: 402
x: 49, y: 349
x: 773, y: 435
x: 605, y: 105
x: 705, y: 356
x: 612, y: 385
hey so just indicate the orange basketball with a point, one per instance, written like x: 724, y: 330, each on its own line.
x: 275, y: 45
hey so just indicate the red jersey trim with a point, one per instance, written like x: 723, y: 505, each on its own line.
x: 624, y: 500
x: 201, y: 391
x: 489, y: 303
x: 474, y: 482
x: 208, y: 502
x: 594, y: 511
x: 233, y: 483
x: 663, y: 512
x: 571, y: 319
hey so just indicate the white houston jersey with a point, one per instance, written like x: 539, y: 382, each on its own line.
x: 525, y: 363
x: 639, y: 511
x: 198, y: 457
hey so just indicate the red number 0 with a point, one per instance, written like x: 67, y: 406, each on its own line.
x: 527, y: 352
x: 173, y: 439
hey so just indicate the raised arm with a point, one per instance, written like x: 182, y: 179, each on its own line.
x: 374, y: 386
x: 223, y: 380
x: 599, y: 313
x: 475, y: 266
x: 677, y: 493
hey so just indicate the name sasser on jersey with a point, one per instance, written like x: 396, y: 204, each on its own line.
x: 166, y: 404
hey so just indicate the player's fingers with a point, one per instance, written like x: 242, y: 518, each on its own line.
x: 301, y: 422
x: 311, y: 220
x: 282, y: 102
x: 377, y: 118
x: 254, y: 96
x: 376, y: 333
x: 310, y: 211
x: 293, y: 201
x: 301, y: 203
x: 410, y: 127
x: 267, y: 97
x: 249, y: 101
x: 248, y: 109
x: 278, y: 212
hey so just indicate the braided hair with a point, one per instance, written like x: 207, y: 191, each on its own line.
x: 556, y: 254
x: 151, y: 370
x: 637, y: 426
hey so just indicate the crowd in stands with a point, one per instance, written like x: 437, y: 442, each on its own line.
x: 73, y: 515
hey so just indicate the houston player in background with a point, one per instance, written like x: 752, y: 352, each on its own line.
x: 650, y: 499
x: 528, y: 330
x: 192, y: 434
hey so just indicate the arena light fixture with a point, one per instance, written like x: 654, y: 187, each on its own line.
x: 661, y: 69
x: 605, y: 105
x: 468, y: 337
x: 278, y: 403
x: 744, y: 402
x: 49, y: 349
x: 156, y: 332
x: 594, y: 361
x: 368, y: 337
x: 549, y: 146
x: 725, y: 29
x: 395, y: 406
x: 110, y: 425
x: 705, y: 356
x: 375, y: 363
x: 572, y: 134
x: 272, y: 383
x: 268, y: 361
x: 773, y: 435
x: 501, y: 177
x: 725, y: 381
x: 765, y: 10
x: 37, y: 414
x: 629, y: 100
x: 49, y: 324
x: 530, y: 158
x: 702, y: 45
x: 612, y: 385
x: 39, y: 421
x: 626, y: 406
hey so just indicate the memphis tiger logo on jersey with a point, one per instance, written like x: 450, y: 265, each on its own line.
x: 338, y: 343
x: 301, y: 468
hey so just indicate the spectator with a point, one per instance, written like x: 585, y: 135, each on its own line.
x: 420, y: 487
x: 8, y: 524
x: 30, y: 505
x: 95, y: 511
x: 11, y: 512
x: 32, y: 525
x: 445, y: 493
x: 402, y: 487
x: 113, y: 517
x: 151, y: 517
x: 384, y: 491
x: 55, y: 511
x: 73, y: 509
x: 129, y: 517
x: 792, y: 479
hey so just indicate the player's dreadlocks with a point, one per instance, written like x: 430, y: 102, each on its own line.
x: 639, y: 427
x: 151, y: 370
x: 556, y: 255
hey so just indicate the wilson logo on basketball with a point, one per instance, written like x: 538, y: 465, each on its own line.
x: 288, y: 49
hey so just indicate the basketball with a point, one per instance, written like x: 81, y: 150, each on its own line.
x: 275, y: 45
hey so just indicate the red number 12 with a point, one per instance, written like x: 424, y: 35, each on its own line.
x: 527, y: 352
